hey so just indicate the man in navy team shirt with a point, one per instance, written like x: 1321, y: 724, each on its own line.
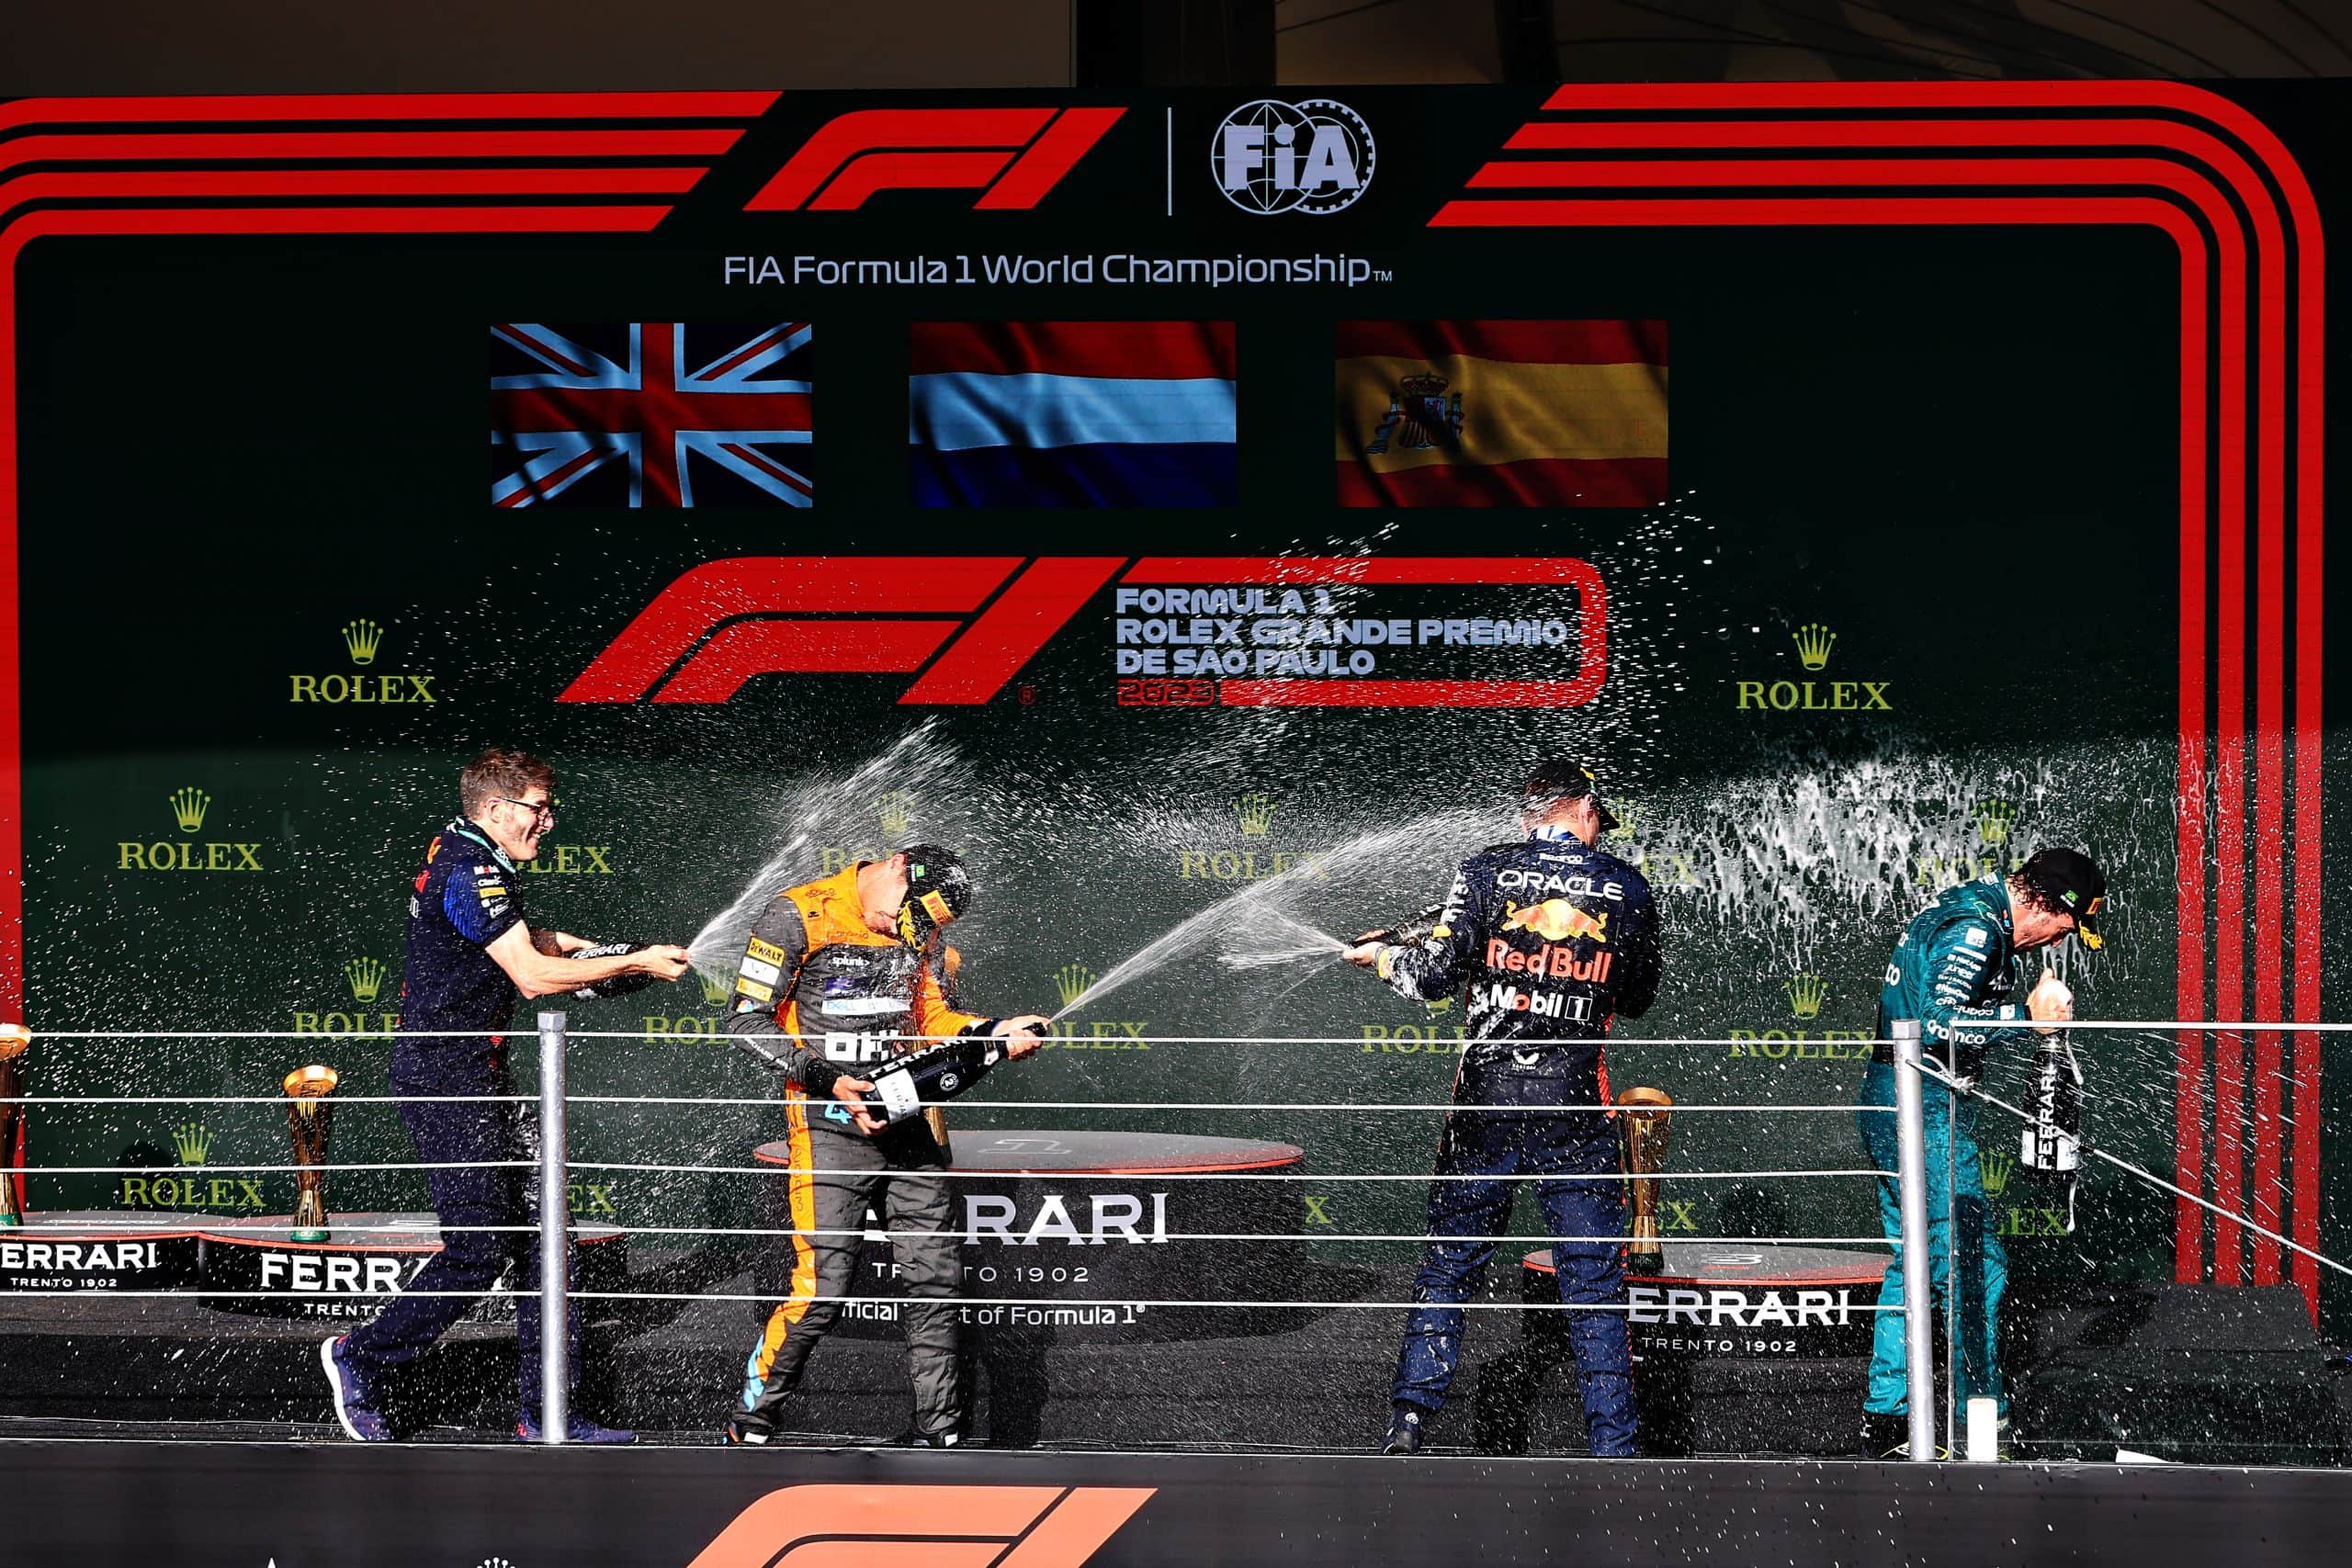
x: 468, y: 953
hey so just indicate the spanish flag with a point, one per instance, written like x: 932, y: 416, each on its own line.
x: 1501, y: 413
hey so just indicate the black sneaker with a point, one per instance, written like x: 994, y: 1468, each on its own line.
x: 1405, y: 1430
x: 745, y: 1431
x: 1889, y: 1437
x: 916, y: 1438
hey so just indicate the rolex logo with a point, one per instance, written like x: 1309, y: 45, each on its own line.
x: 1629, y: 817
x: 895, y: 809
x: 714, y: 987
x: 1257, y: 812
x: 1072, y: 980
x: 363, y: 638
x: 1805, y: 994
x: 188, y: 806
x: 1998, y: 1164
x: 1994, y: 819
x: 193, y: 1140
x: 1814, y: 642
x: 366, y: 978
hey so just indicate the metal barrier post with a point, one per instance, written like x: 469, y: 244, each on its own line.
x: 555, y: 1218
x: 1911, y: 1178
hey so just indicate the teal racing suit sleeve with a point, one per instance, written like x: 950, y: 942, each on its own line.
x: 1962, y: 958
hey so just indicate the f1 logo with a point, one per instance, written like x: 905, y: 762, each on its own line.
x: 1016, y: 154
x: 942, y: 1527
x: 964, y: 626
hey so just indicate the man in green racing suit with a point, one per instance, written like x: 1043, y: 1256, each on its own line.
x: 1955, y: 969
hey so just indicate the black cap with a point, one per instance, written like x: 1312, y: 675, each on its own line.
x: 2066, y: 881
x: 1562, y: 778
x: 939, y: 889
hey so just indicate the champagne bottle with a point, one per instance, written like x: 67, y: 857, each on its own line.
x: 935, y: 1073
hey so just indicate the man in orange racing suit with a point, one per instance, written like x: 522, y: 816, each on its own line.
x: 836, y: 973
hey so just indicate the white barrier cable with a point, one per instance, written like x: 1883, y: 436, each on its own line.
x: 1971, y: 1091
x: 2244, y: 1026
x: 1067, y: 1303
x: 1176, y: 1175
x: 771, y: 1101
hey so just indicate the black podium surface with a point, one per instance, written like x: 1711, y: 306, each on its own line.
x: 71, y: 1250
x: 1743, y: 1299
x: 1095, y: 1233
x: 259, y: 1267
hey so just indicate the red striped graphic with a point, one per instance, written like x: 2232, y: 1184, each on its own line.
x: 2224, y: 173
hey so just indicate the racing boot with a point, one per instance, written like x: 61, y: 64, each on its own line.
x: 1406, y: 1429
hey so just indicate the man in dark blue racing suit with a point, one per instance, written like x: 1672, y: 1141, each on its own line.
x: 1552, y: 939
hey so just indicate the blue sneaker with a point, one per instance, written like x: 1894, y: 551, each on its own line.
x: 355, y: 1403
x: 576, y: 1429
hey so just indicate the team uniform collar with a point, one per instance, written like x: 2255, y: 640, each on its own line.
x: 466, y: 828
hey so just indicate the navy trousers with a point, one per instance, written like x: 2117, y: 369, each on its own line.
x: 471, y: 1259
x: 1488, y: 1148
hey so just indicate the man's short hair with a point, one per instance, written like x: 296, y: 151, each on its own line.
x: 500, y: 774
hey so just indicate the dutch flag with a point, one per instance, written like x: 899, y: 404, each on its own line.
x: 1071, y: 413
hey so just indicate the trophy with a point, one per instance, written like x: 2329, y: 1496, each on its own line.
x: 14, y: 1040
x: 308, y: 1119
x: 1641, y: 1130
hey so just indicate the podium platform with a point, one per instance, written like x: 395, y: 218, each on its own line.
x: 77, y: 1250
x: 1739, y: 1347
x: 364, y: 1262
x: 1089, y: 1231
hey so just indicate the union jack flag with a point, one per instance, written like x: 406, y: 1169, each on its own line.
x: 650, y: 413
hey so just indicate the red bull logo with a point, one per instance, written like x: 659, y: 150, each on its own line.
x: 1550, y: 962
x: 1556, y: 920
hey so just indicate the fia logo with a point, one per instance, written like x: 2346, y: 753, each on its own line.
x: 189, y: 806
x: 1311, y: 156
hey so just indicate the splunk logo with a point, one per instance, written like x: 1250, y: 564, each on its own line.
x: 1815, y: 643
x: 1313, y: 156
x: 965, y: 625
x: 190, y: 806
x: 1043, y: 1527
x: 362, y: 641
x: 1012, y: 156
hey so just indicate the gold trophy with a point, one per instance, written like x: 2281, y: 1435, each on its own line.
x: 14, y: 1040
x: 308, y: 1119
x: 1640, y: 1130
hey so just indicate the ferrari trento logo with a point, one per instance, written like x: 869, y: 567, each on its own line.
x: 801, y: 1527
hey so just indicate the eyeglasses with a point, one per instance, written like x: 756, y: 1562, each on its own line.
x: 543, y: 810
